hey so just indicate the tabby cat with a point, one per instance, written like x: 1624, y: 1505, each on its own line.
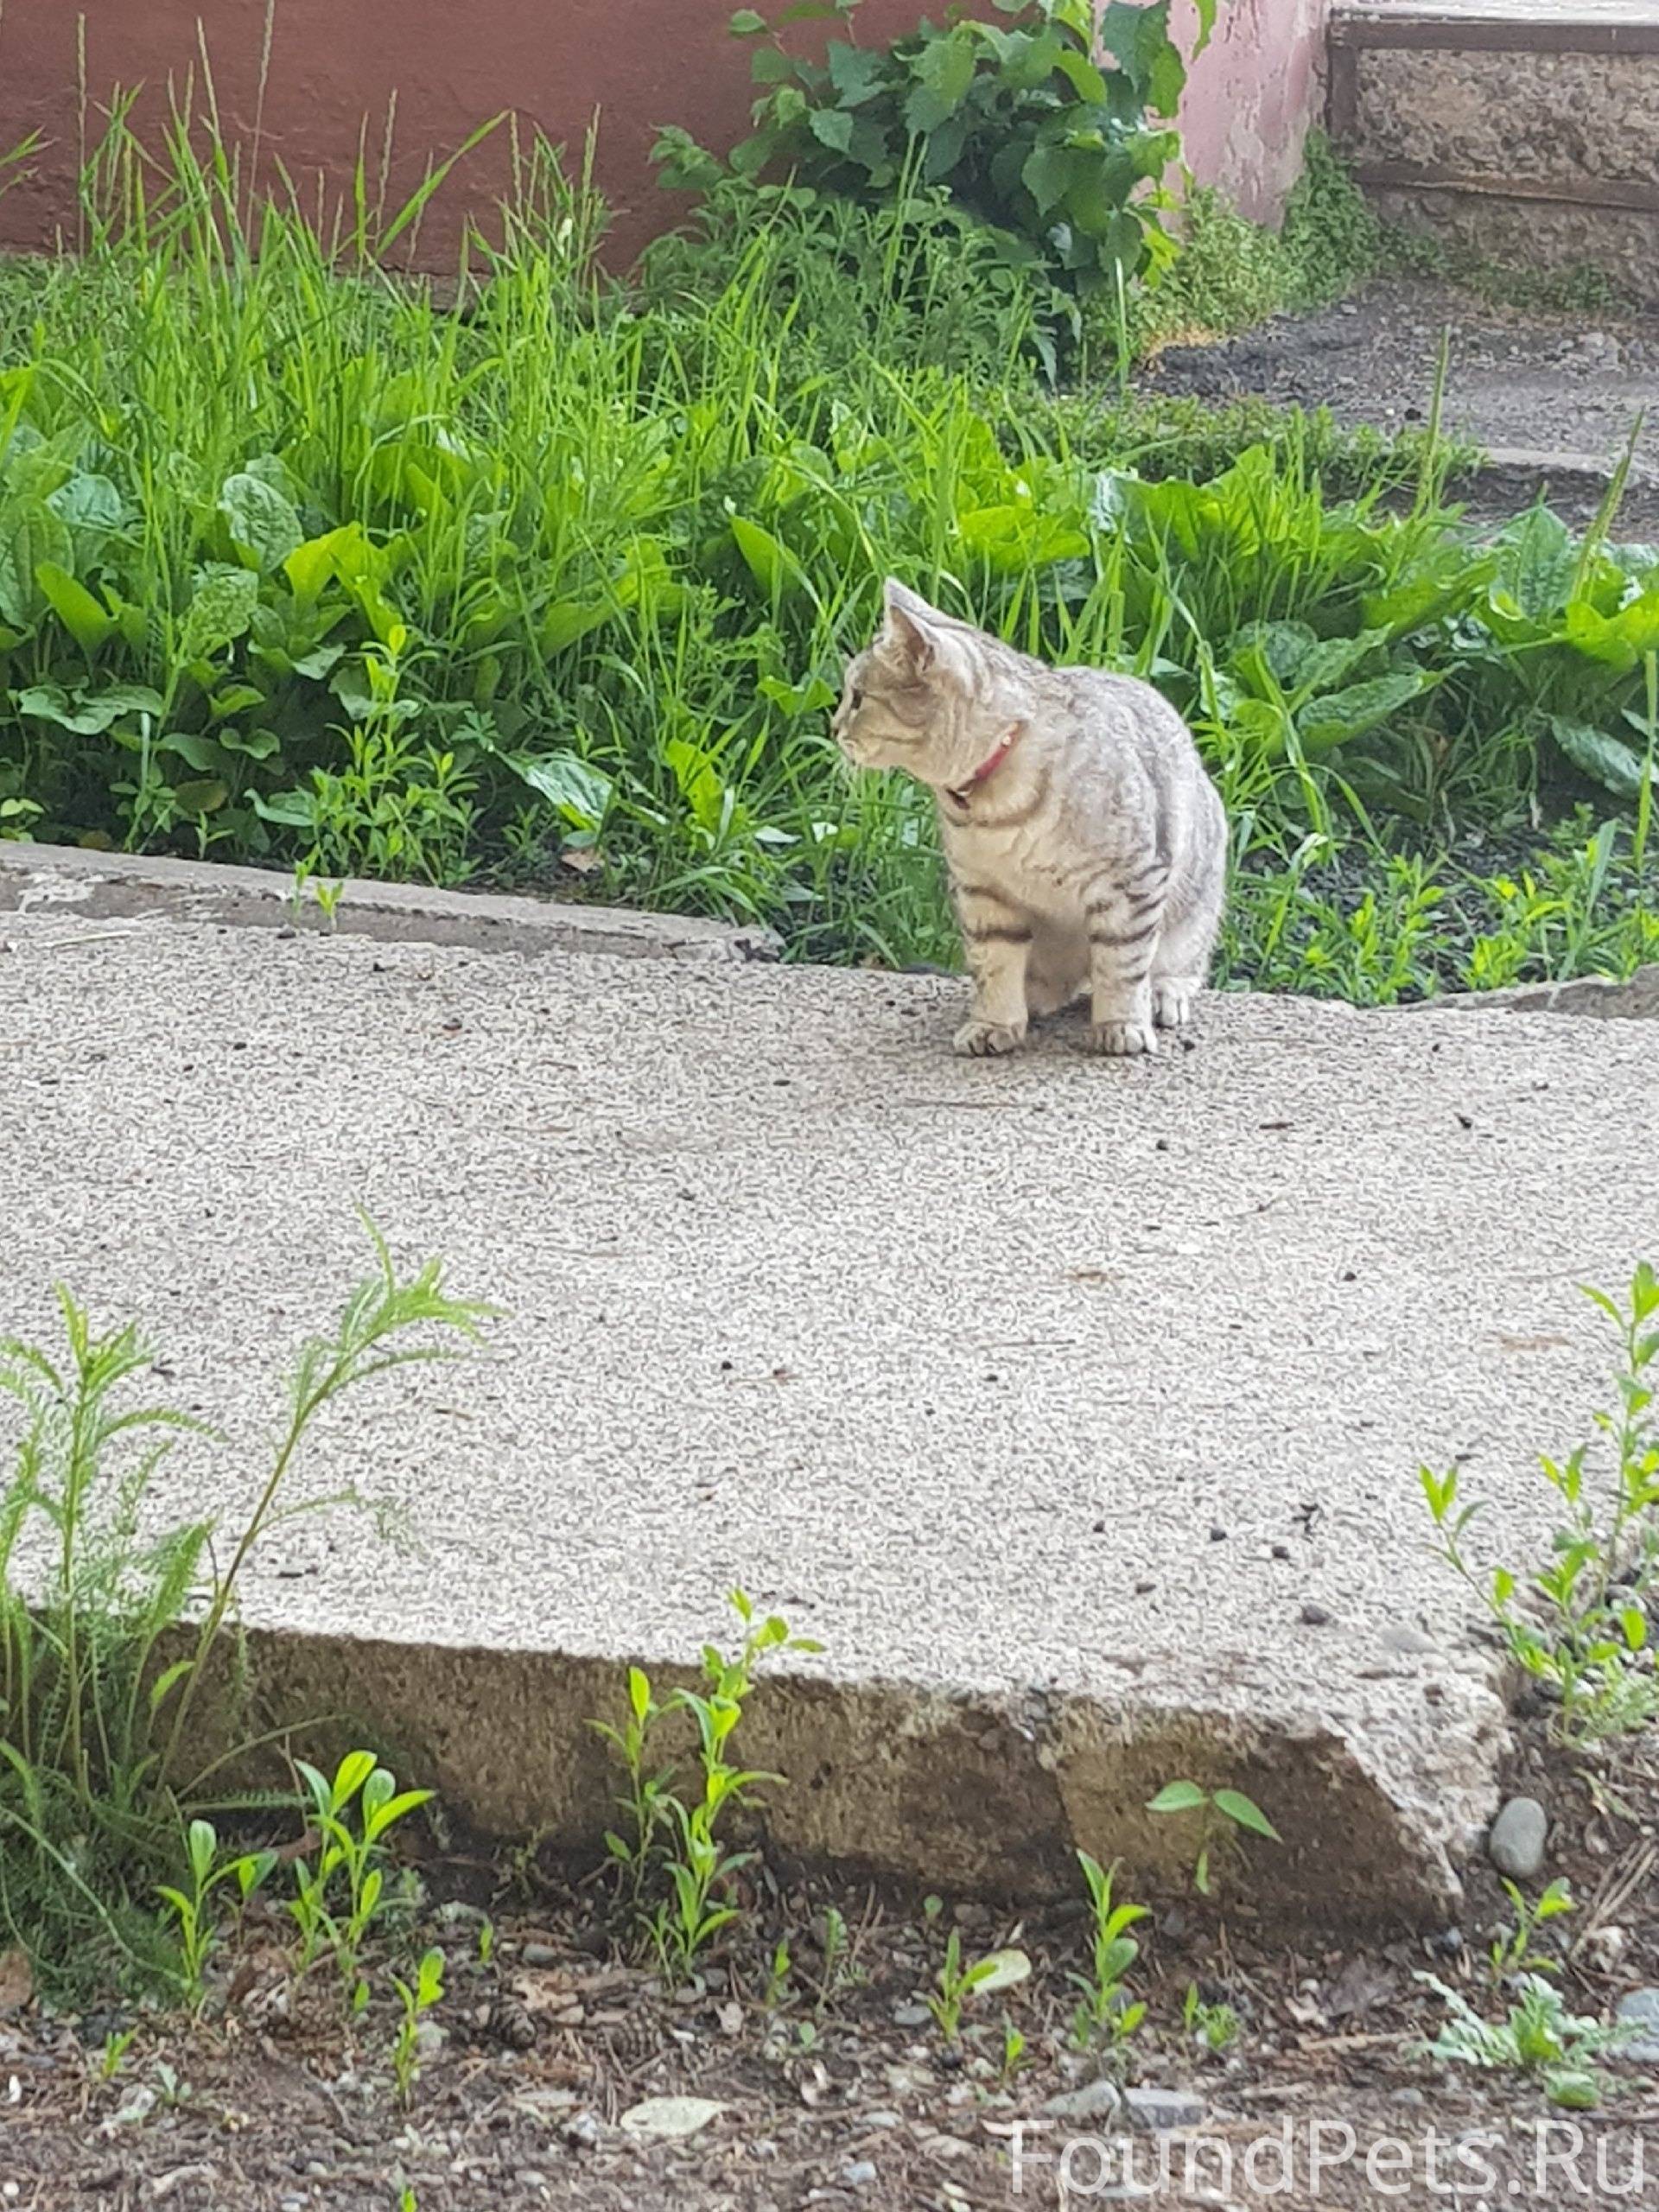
x: 1087, y: 848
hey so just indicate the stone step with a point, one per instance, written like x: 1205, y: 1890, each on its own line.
x: 1525, y: 129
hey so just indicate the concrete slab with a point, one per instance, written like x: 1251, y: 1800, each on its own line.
x: 1049, y: 1394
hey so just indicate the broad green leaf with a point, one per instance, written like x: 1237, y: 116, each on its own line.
x: 1179, y: 1797
x: 747, y: 22
x: 767, y: 562
x: 262, y: 520
x: 86, y: 714
x: 1047, y: 175
x: 579, y: 791
x: 1537, y: 556
x: 219, y: 615
x: 29, y: 534
x: 91, y: 503
x: 856, y: 71
x: 1605, y: 759
x: 80, y: 613
x: 204, y: 754
x: 567, y: 619
x: 832, y: 127
x: 1341, y: 716
x: 1622, y: 641
x: 1245, y: 1813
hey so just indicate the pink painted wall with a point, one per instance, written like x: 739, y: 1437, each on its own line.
x: 1251, y: 96
x: 451, y: 63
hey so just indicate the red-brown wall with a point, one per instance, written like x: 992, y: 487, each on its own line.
x: 451, y: 63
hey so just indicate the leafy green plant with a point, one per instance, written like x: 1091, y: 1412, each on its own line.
x: 1215, y: 2026
x: 1222, y: 1818
x: 1512, y: 1953
x: 1105, y: 2009
x: 1018, y: 120
x: 336, y: 1900
x: 1537, y: 2036
x: 417, y: 1999
x: 675, y: 1869
x: 99, y: 1781
x: 1578, y: 1626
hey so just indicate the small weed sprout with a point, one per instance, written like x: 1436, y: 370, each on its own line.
x: 1225, y: 1816
x: 777, y: 1975
x: 1538, y: 2036
x: 1216, y: 2027
x: 416, y: 2000
x: 1013, y: 2054
x: 351, y: 1857
x: 956, y: 1983
x: 1591, y: 1647
x: 192, y: 1907
x: 485, y: 1943
x: 1104, y: 2008
x: 840, y: 1971
x: 1512, y: 1952
x: 113, y: 2057
x: 673, y: 1842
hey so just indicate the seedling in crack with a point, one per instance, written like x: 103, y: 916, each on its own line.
x: 1223, y: 1818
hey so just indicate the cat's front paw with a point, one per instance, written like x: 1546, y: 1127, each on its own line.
x: 984, y: 1041
x: 1171, y: 1005
x: 1119, y: 1041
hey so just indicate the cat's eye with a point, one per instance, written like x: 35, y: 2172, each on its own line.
x: 855, y: 699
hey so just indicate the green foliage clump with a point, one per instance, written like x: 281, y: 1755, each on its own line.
x: 1017, y: 121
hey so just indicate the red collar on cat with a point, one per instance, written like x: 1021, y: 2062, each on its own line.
x: 988, y: 767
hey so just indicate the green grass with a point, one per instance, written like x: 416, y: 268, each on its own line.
x: 303, y: 564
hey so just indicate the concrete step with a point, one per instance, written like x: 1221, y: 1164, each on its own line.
x: 1526, y: 129
x: 1075, y: 1407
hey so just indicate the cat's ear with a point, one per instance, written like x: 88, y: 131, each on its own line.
x: 909, y: 629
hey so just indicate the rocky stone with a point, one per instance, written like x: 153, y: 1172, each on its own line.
x: 1312, y: 1615
x: 1098, y: 2100
x: 861, y: 2174
x: 1640, y: 2011
x: 539, y: 1954
x: 1164, y: 2108
x: 1516, y: 1843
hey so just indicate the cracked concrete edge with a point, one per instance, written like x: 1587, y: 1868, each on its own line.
x: 127, y: 886
x: 1524, y: 474
x: 1599, y: 997
x: 972, y: 1793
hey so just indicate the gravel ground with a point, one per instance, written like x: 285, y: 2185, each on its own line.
x: 1551, y: 383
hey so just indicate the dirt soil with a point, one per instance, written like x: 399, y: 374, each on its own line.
x: 837, y: 2089
x: 1550, y: 383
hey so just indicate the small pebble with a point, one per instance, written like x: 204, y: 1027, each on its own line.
x: 539, y: 1954
x: 1640, y: 2009
x: 1312, y: 1615
x: 911, y: 2016
x: 860, y: 2174
x: 1516, y: 1845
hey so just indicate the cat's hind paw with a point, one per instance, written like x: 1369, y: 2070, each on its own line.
x: 1172, y: 1003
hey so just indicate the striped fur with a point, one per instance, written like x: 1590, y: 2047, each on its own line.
x: 1091, y: 857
